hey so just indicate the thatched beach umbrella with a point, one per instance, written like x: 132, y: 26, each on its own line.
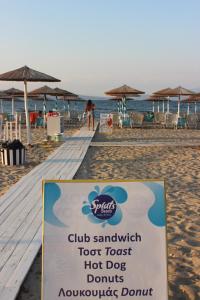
x: 13, y: 93
x: 120, y: 103
x: 178, y: 92
x: 157, y: 98
x: 192, y: 99
x: 164, y: 92
x: 26, y: 74
x: 123, y: 92
x: 44, y: 90
x: 66, y: 95
x: 120, y: 98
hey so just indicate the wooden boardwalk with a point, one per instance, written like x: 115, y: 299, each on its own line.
x: 21, y: 212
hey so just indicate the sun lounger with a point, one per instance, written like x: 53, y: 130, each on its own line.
x: 171, y: 121
x: 136, y: 119
x: 117, y: 120
x: 160, y: 118
x: 192, y: 120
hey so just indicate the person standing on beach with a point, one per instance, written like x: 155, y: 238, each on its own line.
x: 90, y: 114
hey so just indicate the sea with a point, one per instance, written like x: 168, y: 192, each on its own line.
x: 101, y: 106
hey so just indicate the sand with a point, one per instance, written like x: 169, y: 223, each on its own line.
x: 35, y: 155
x: 179, y: 166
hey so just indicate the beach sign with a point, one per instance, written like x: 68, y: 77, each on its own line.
x: 106, y: 123
x: 104, y: 240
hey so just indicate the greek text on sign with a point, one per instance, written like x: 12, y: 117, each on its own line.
x: 104, y: 240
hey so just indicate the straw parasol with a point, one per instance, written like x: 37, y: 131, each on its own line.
x: 123, y: 92
x: 12, y: 93
x: 192, y: 99
x: 157, y: 98
x: 26, y: 74
x: 44, y: 90
x: 120, y: 98
x: 178, y: 92
x: 66, y: 95
x: 164, y: 92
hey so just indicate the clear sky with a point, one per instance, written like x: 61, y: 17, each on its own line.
x: 96, y: 45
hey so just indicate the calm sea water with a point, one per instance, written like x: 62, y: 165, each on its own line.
x: 102, y: 106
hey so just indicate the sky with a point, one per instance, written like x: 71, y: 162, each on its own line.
x: 97, y: 45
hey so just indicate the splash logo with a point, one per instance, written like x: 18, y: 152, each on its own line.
x: 103, y: 207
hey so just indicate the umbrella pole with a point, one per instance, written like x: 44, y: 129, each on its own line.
x: 56, y: 103
x: 13, y: 106
x: 168, y: 105
x: 179, y: 106
x: 158, y: 106
x: 163, y: 105
x: 2, y: 105
x: 195, y: 107
x: 188, y: 109
x: 153, y: 107
x: 27, y: 115
x: 68, y: 106
x: 44, y: 111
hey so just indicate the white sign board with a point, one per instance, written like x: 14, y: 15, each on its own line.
x: 104, y: 240
x: 106, y: 123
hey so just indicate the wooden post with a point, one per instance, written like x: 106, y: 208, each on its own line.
x: 158, y: 106
x: 13, y: 106
x: 27, y: 115
x: 168, y: 105
x: 179, y: 99
x: 188, y: 109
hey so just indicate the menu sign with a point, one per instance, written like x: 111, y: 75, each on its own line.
x: 104, y: 240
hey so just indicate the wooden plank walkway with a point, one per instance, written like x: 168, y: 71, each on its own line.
x: 21, y: 212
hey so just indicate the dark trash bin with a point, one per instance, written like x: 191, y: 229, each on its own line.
x: 13, y: 153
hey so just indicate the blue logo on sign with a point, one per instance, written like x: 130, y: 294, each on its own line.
x: 104, y: 207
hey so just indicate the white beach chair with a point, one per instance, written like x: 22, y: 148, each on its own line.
x: 160, y: 118
x: 117, y: 121
x: 136, y: 119
x: 171, y: 120
x: 192, y: 120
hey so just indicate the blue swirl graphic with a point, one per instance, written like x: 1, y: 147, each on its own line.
x: 156, y: 213
x: 118, y: 193
x: 116, y: 219
x: 52, y: 193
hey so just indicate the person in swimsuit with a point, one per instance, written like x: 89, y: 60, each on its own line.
x: 90, y: 113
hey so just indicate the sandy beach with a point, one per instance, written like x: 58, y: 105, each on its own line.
x: 34, y: 155
x: 178, y: 166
